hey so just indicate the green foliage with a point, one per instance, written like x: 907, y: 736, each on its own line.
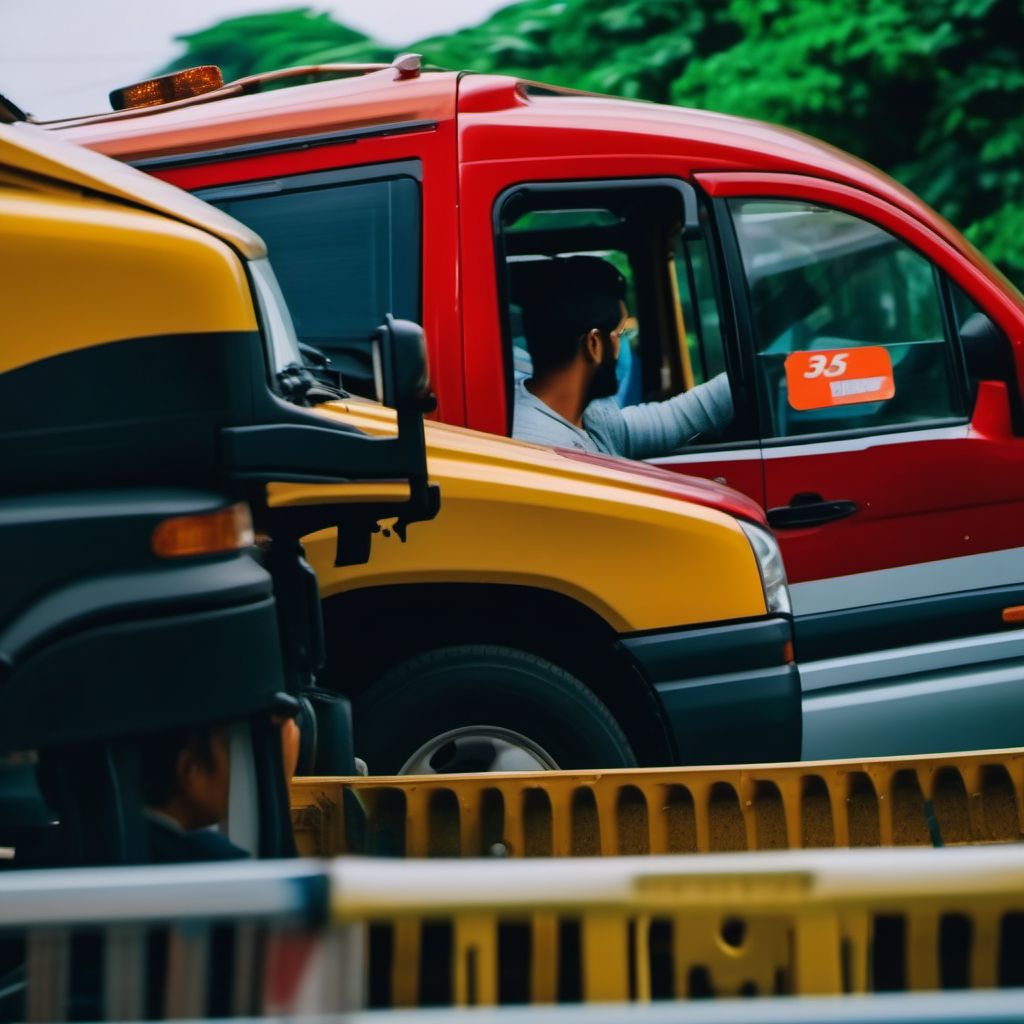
x: 636, y: 48
x: 264, y: 42
x: 933, y: 92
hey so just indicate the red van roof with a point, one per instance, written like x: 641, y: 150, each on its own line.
x: 215, y: 121
x: 710, y: 141
x: 500, y: 117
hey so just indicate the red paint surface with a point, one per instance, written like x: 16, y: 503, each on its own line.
x: 710, y: 493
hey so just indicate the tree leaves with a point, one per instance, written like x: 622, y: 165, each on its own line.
x: 931, y: 92
x: 263, y: 42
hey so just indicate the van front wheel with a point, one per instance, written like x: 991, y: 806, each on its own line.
x: 479, y: 708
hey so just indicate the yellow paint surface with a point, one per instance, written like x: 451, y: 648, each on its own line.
x: 522, y: 515
x: 102, y: 272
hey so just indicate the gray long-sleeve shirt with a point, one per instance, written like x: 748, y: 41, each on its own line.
x: 637, y: 431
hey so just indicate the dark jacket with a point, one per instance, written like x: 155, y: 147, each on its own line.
x: 171, y: 845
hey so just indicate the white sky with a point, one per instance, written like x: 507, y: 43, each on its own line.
x: 62, y: 57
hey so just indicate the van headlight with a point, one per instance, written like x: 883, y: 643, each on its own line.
x: 773, y: 572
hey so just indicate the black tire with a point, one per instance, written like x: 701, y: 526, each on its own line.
x: 477, y: 685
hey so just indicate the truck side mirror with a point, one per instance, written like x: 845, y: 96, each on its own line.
x: 400, y: 374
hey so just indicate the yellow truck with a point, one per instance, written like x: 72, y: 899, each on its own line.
x: 534, y: 626
x: 150, y: 388
x: 141, y: 422
x: 559, y: 613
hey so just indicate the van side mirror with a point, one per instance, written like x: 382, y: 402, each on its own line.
x: 988, y: 356
x: 400, y: 374
x: 986, y: 350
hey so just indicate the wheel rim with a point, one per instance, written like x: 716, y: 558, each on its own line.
x: 478, y: 748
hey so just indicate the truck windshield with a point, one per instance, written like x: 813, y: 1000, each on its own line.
x: 278, y: 329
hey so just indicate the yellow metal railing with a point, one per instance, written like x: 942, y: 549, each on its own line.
x: 646, y: 928
x: 946, y: 799
x: 323, y: 937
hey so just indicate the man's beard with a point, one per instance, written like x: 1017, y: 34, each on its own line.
x: 604, y: 383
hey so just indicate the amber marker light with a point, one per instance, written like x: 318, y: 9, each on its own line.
x: 227, y: 529
x: 1014, y: 614
x: 179, y: 86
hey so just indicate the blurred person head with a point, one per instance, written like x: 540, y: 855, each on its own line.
x: 572, y: 318
x: 186, y: 773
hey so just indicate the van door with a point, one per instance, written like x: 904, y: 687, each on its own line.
x: 517, y: 216
x: 887, y: 469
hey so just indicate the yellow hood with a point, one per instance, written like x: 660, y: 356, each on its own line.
x: 640, y: 547
x: 490, y: 453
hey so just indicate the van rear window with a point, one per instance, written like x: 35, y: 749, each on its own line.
x: 345, y: 252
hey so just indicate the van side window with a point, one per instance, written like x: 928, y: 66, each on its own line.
x: 345, y: 252
x: 823, y: 284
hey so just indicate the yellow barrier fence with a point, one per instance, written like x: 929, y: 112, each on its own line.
x: 946, y: 799
x: 647, y: 928
x: 322, y: 937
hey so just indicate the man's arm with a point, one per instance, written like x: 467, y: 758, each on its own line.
x: 657, y: 428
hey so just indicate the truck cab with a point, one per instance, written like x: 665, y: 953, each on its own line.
x: 535, y: 625
x: 873, y: 356
x: 144, y: 416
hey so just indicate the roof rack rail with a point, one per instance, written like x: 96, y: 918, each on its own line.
x: 254, y: 83
x: 408, y: 65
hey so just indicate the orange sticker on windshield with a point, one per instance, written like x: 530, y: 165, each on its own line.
x: 839, y: 376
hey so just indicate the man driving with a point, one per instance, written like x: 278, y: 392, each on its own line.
x: 573, y: 318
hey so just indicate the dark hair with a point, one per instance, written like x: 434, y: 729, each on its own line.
x: 159, y: 754
x: 562, y: 300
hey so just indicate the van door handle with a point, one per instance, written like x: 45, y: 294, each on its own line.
x: 808, y: 510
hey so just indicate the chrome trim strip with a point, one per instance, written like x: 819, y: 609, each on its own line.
x: 750, y: 454
x: 905, y: 582
x: 899, y: 662
x: 857, y: 444
x: 797, y: 450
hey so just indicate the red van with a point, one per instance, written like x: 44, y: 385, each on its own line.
x: 874, y: 356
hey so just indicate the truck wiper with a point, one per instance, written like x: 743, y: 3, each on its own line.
x: 318, y: 363
x: 299, y: 384
x: 294, y: 380
x: 313, y: 355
